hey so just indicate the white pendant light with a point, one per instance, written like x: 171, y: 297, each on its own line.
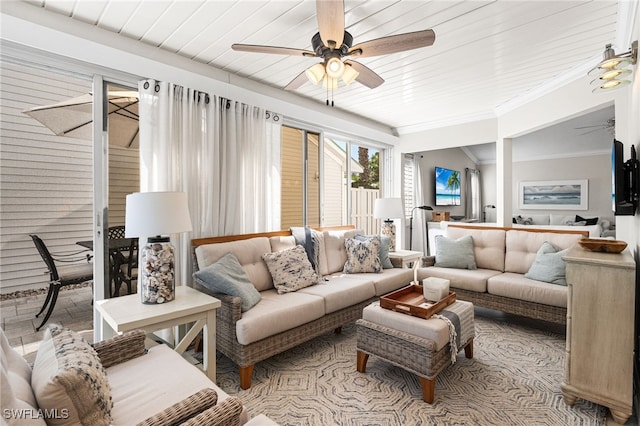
x: 349, y: 74
x: 335, y: 68
x: 315, y: 74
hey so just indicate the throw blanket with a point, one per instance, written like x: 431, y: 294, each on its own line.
x: 304, y: 237
x: 460, y: 323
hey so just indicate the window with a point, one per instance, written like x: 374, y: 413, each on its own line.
x: 300, y: 195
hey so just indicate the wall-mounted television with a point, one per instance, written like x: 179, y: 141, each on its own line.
x: 447, y: 187
x: 625, y: 181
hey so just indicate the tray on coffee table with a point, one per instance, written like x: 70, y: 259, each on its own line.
x: 410, y: 300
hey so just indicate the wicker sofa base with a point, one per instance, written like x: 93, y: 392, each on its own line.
x: 246, y: 356
x: 411, y: 353
x: 514, y: 306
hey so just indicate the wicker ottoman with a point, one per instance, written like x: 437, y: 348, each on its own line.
x: 423, y: 347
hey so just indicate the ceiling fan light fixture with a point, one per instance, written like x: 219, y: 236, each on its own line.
x: 330, y: 83
x: 349, y: 75
x: 611, y: 85
x: 335, y: 68
x: 315, y: 73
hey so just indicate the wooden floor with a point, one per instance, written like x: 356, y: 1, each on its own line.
x: 74, y: 310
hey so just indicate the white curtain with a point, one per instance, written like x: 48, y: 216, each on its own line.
x: 419, y: 236
x: 473, y: 210
x: 220, y: 152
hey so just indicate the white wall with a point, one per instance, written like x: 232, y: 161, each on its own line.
x: 454, y: 159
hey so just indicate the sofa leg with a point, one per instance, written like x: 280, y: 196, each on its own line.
x: 338, y: 330
x: 428, y: 389
x: 468, y: 350
x: 245, y: 376
x: 361, y: 363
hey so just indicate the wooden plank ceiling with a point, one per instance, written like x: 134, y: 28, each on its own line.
x: 486, y: 53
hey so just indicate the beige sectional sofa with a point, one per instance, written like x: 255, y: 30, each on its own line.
x: 503, y: 256
x: 281, y: 321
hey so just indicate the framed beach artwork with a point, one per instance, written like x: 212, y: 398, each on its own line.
x: 554, y: 194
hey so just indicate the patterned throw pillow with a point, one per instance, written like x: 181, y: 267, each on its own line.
x: 455, y: 253
x: 290, y: 269
x: 362, y: 255
x: 69, y: 380
x: 226, y: 276
x: 548, y: 266
x: 385, y: 242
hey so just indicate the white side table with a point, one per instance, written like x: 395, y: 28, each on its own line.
x: 128, y: 313
x: 406, y: 257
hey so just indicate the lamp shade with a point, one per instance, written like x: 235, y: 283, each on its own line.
x: 156, y: 213
x: 388, y: 208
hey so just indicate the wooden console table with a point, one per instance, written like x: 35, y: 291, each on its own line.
x: 600, y: 324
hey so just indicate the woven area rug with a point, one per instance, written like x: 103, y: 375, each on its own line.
x: 513, y: 379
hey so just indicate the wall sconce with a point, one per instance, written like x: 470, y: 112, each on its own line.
x: 610, y: 70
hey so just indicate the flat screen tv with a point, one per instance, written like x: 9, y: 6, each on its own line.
x: 447, y: 188
x: 624, y: 180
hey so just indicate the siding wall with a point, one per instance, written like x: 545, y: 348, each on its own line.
x: 45, y: 180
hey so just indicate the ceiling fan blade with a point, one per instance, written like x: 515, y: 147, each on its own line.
x: 330, y: 15
x: 297, y: 82
x: 272, y: 49
x: 367, y: 77
x: 393, y: 44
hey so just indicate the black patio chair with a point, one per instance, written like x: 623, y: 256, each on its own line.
x: 60, y: 276
x: 127, y: 268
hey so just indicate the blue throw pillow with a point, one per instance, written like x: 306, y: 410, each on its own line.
x: 455, y: 253
x: 383, y: 254
x: 548, y: 266
x: 226, y: 276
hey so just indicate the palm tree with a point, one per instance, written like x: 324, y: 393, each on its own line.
x: 453, y: 183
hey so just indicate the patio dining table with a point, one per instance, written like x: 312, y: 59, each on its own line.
x: 116, y: 246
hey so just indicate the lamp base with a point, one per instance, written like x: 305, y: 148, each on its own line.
x: 157, y: 279
x: 388, y: 229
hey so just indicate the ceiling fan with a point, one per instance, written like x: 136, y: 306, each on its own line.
x: 332, y: 43
x: 608, y: 125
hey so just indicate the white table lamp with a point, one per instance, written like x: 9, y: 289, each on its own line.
x: 157, y: 215
x: 388, y: 209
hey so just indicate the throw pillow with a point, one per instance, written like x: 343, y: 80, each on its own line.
x: 313, y: 242
x: 362, y: 256
x: 226, y: 276
x: 68, y: 379
x: 455, y: 253
x: 548, y: 266
x: 589, y: 221
x: 385, y: 242
x: 290, y: 269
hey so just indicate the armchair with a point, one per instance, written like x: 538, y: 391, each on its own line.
x: 57, y: 387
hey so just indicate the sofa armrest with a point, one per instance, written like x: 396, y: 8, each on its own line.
x: 227, y: 413
x: 428, y: 261
x: 184, y: 410
x: 230, y: 306
x: 121, y: 348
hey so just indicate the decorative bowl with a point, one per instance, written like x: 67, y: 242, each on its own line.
x: 605, y: 246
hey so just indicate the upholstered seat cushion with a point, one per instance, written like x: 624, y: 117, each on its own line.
x: 159, y: 378
x: 387, y: 281
x: 436, y: 331
x: 516, y: 286
x: 277, y: 313
x: 342, y: 292
x: 466, y: 279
